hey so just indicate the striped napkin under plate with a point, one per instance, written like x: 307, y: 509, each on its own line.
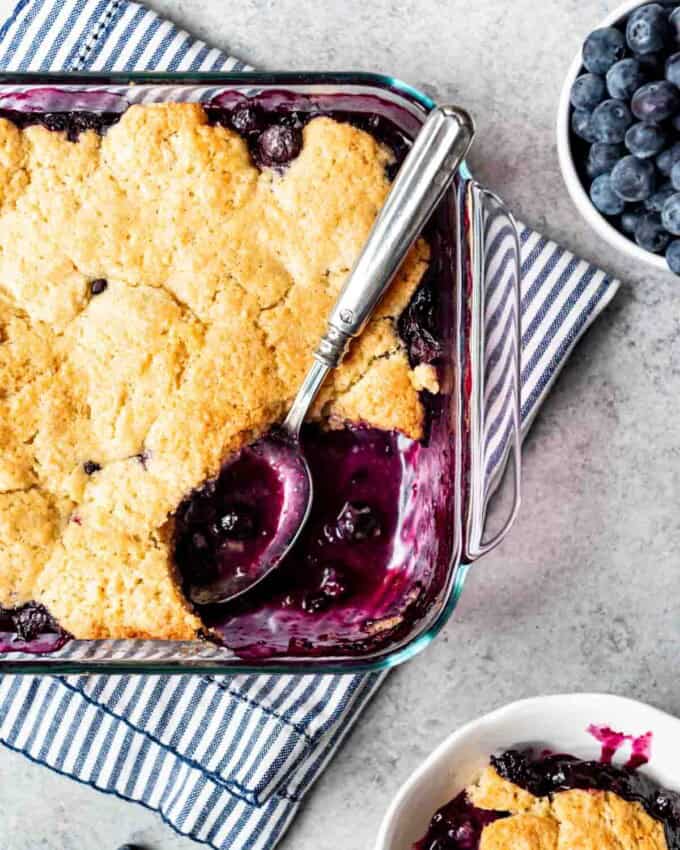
x: 225, y: 759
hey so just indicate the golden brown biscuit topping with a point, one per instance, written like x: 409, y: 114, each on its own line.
x: 159, y: 300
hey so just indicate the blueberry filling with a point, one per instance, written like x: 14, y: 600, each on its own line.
x: 418, y: 327
x: 459, y: 824
x: 71, y: 123
x: 215, y: 534
x: 98, y: 286
x: 31, y: 628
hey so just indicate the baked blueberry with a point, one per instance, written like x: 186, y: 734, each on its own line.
x: 673, y: 256
x: 357, y: 521
x: 278, y: 145
x: 670, y: 214
x: 610, y: 120
x: 602, y: 158
x: 581, y: 124
x: 98, y: 286
x: 32, y: 620
x: 245, y: 119
x: 656, y: 102
x: 604, y: 197
x: 646, y: 140
x: 650, y: 233
x: 667, y: 159
x: 90, y: 467
x: 648, y: 29
x: 588, y: 90
x: 625, y: 78
x: 602, y: 49
x: 418, y: 327
x: 633, y: 179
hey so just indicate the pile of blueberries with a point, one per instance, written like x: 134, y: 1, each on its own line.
x: 626, y: 120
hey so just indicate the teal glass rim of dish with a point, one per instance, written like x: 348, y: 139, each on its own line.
x: 138, y: 656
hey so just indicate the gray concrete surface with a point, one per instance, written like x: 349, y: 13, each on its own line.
x: 584, y: 594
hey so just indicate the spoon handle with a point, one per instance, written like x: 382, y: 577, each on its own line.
x: 426, y: 173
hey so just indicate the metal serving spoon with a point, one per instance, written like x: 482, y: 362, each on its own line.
x: 426, y: 173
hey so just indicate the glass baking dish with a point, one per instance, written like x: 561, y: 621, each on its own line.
x: 451, y: 476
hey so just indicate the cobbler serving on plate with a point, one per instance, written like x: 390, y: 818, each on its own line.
x: 164, y: 277
x: 557, y: 802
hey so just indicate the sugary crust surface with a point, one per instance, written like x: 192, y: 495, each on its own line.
x: 220, y: 276
x: 567, y: 820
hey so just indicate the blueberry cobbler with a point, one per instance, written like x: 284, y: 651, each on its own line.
x: 525, y: 801
x: 164, y: 277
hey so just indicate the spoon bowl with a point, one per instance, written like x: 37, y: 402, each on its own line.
x: 268, y: 494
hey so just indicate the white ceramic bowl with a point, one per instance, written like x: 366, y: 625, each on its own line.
x: 558, y: 723
x: 576, y: 189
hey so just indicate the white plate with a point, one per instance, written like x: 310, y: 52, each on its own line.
x: 558, y: 723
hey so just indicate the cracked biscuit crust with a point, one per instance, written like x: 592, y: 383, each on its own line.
x: 587, y: 820
x: 220, y: 277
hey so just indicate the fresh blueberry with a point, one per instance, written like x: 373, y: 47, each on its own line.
x: 667, y: 159
x: 625, y: 78
x: 650, y: 234
x: 588, y: 90
x: 237, y: 523
x: 357, y: 521
x: 610, y: 120
x: 602, y: 158
x: 655, y: 102
x: 581, y: 125
x: 245, y: 120
x: 602, y: 49
x: 645, y: 140
x: 675, y: 123
x: 675, y: 176
x: 629, y: 220
x: 673, y: 256
x: 633, y: 179
x: 98, y: 286
x: 648, y: 29
x: 659, y: 198
x: 670, y: 214
x: 278, y: 145
x: 673, y: 69
x: 674, y: 21
x: 90, y: 467
x: 604, y: 198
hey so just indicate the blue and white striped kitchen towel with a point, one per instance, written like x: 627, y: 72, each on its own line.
x: 225, y: 759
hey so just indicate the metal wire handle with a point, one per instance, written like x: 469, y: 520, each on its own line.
x: 486, y: 215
